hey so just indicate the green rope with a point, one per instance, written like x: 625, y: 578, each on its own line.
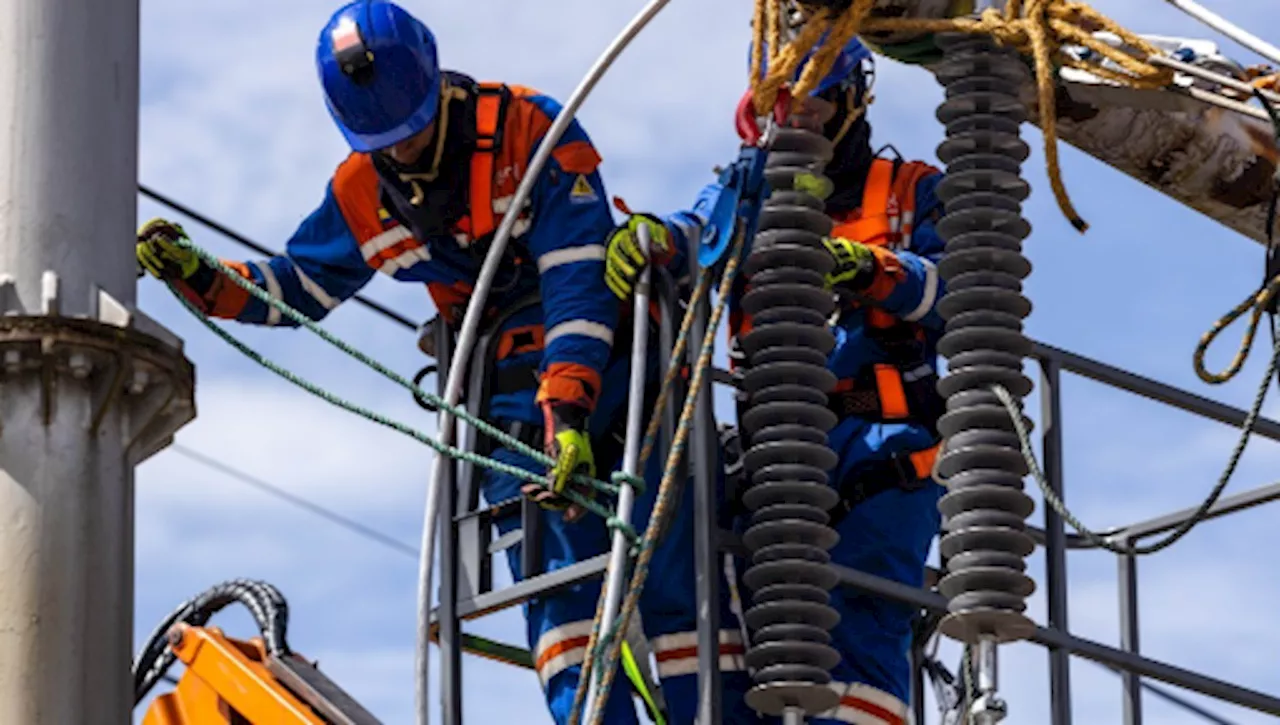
x: 474, y: 458
x: 612, y: 487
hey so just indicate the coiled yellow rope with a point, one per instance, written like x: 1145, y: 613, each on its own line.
x: 1036, y: 28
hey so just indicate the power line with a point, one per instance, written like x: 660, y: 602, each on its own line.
x: 329, y: 515
x: 234, y: 236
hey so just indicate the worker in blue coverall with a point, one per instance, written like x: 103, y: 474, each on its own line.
x: 436, y: 159
x: 886, y: 247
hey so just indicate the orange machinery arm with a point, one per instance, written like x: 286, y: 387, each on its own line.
x: 234, y: 682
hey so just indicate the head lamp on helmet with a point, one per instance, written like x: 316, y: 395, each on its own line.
x: 380, y: 73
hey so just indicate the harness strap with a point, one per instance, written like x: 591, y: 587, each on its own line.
x: 910, y: 471
x: 888, y: 394
x: 873, y: 225
x: 491, y: 104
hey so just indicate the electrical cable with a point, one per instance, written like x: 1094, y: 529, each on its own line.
x: 351, y: 525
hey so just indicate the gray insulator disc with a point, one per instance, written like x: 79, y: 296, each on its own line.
x: 819, y: 616
x: 815, y: 654
x: 984, y: 338
x: 986, y: 578
x: 794, y: 531
x: 787, y: 552
x: 789, y: 315
x: 790, y: 571
x: 792, y: 632
x: 962, y: 183
x: 768, y: 415
x: 983, y: 220
x: 779, y: 694
x: 985, y: 318
x: 1002, y: 559
x: 788, y: 394
x: 790, y: 474
x: 807, y: 356
x: 796, y: 217
x: 787, y: 275
x: 987, y: 538
x: 802, y: 141
x: 981, y: 376
x: 766, y: 454
x: 987, y: 517
x: 789, y: 432
x: 972, y: 625
x: 778, y: 255
x: 785, y: 197
x: 787, y: 373
x: 790, y: 511
x: 773, y: 493
x: 789, y: 295
x: 956, y: 502
x: 788, y: 334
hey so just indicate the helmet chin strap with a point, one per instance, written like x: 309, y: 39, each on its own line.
x: 416, y: 179
x: 852, y: 112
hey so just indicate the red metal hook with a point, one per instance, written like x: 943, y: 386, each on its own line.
x: 744, y: 119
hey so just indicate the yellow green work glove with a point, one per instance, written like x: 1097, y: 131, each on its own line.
x: 159, y: 253
x: 855, y: 265
x: 623, y: 259
x: 568, y: 444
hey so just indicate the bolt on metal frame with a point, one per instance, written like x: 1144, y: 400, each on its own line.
x: 467, y: 592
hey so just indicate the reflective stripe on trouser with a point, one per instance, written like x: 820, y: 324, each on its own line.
x: 865, y: 705
x: 560, y: 648
x: 677, y: 654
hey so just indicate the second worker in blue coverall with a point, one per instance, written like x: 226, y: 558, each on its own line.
x: 436, y: 159
x: 885, y: 358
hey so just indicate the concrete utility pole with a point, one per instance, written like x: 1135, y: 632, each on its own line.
x: 88, y: 386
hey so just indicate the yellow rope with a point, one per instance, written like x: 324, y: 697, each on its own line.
x: 1036, y: 28
x: 1258, y: 303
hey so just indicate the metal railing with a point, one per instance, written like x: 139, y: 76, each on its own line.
x: 467, y: 591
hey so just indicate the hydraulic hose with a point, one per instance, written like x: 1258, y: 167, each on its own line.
x: 785, y: 420
x: 467, y: 340
x: 265, y: 603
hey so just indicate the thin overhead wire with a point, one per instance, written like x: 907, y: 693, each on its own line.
x: 328, y: 514
x: 234, y: 236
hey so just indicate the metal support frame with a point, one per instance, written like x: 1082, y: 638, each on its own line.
x: 477, y: 600
x: 451, y: 628
x: 1055, y: 539
x: 706, y: 548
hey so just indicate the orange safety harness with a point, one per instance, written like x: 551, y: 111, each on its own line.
x: 904, y: 390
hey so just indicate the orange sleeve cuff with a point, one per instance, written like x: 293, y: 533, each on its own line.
x: 889, y: 273
x: 224, y: 298
x: 571, y: 383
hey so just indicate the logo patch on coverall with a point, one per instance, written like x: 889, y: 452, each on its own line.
x: 582, y: 193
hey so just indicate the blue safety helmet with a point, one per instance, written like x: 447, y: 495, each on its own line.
x: 380, y: 74
x: 848, y: 68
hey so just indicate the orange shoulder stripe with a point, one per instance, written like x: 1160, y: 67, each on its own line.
x: 355, y: 187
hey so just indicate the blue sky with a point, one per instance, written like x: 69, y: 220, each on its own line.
x: 234, y: 125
